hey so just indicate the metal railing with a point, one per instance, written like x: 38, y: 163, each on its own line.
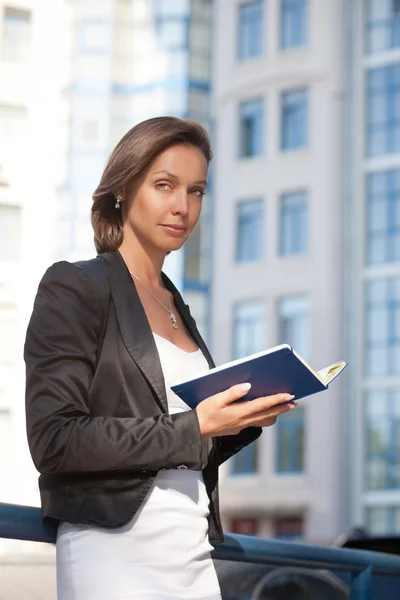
x: 25, y: 523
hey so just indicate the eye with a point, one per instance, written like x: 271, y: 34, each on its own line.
x: 163, y: 186
x: 199, y: 193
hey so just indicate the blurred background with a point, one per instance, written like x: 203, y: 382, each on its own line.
x: 299, y: 239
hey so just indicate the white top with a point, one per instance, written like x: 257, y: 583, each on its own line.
x: 164, y: 552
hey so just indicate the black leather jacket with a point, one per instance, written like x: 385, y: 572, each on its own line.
x: 98, y: 425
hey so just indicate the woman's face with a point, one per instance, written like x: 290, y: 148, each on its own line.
x: 163, y: 210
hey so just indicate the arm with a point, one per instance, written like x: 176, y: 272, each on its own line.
x: 60, y: 355
x: 232, y: 444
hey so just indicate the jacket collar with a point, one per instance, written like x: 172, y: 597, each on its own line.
x: 134, y: 325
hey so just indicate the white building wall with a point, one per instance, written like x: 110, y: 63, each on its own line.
x: 319, y: 169
x: 32, y: 167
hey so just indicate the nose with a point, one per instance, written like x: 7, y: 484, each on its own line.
x: 180, y: 205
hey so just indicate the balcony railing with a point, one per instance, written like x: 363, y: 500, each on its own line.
x: 361, y: 567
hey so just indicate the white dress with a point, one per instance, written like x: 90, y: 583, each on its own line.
x: 163, y: 553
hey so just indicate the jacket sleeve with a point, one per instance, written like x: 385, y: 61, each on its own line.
x: 60, y: 355
x: 232, y: 444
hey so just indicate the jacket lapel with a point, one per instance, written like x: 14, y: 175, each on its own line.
x: 188, y: 319
x: 134, y: 326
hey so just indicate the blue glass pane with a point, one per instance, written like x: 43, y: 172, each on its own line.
x: 249, y: 328
x: 383, y: 111
x: 294, y: 120
x: 382, y: 339
x: 251, y: 128
x: 382, y: 25
x: 250, y: 38
x: 245, y: 461
x: 293, y: 224
x: 382, y: 442
x: 294, y: 18
x: 290, y: 441
x: 383, y: 217
x: 250, y: 225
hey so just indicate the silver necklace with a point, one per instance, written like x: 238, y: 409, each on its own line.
x: 167, y: 308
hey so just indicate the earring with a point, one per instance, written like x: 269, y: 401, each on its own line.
x: 118, y: 203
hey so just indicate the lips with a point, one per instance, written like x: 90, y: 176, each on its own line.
x: 175, y: 230
x: 177, y: 227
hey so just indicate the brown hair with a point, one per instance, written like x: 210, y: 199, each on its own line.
x: 128, y: 164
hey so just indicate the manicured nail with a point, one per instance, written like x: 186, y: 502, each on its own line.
x: 244, y: 387
x: 292, y: 405
x: 288, y: 397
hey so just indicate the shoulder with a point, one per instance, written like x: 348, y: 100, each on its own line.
x: 69, y: 280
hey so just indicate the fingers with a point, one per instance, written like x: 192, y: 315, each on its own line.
x: 269, y: 416
x: 264, y: 403
x: 234, y: 393
x: 257, y: 405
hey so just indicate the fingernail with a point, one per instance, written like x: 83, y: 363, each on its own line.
x: 293, y: 405
x: 244, y: 387
x: 288, y: 397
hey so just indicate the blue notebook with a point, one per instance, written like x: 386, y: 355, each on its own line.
x: 273, y: 371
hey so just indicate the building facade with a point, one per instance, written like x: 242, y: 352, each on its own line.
x: 278, y: 262
x: 32, y: 148
x: 131, y: 61
x: 373, y: 265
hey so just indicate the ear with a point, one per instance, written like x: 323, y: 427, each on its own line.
x: 119, y: 192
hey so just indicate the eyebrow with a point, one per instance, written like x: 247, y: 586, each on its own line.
x: 172, y: 176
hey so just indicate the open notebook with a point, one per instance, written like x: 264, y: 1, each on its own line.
x: 277, y: 370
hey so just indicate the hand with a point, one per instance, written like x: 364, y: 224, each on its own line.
x: 221, y: 415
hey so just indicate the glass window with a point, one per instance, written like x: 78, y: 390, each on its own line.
x: 289, y: 430
x: 172, y: 34
x: 294, y: 324
x: 245, y: 525
x: 250, y: 37
x: 200, y: 33
x: 294, y: 119
x: 12, y: 133
x: 294, y: 21
x: 383, y: 110
x: 248, y: 328
x: 251, y: 128
x: 245, y: 462
x: 289, y: 529
x: 382, y: 444
x: 10, y: 233
x: 199, y: 103
x: 250, y: 231
x: 382, y: 25
x: 175, y: 8
x: 293, y: 226
x: 199, y: 68
x: 383, y: 217
x: 16, y: 35
x: 382, y: 327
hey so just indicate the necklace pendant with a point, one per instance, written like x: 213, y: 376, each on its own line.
x: 173, y: 319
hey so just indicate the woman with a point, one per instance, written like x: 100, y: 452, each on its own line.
x: 126, y: 468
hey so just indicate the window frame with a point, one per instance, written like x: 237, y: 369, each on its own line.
x: 295, y: 419
x: 286, y: 8
x: 286, y: 215
x: 291, y: 142
x: 258, y: 216
x: 255, y: 148
x: 241, y: 54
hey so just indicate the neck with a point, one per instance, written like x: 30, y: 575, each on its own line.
x: 142, y: 262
